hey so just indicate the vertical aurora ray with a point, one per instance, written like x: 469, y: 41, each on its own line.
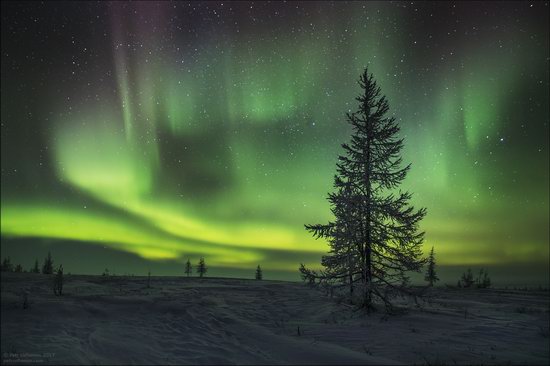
x: 121, y: 72
x: 486, y: 85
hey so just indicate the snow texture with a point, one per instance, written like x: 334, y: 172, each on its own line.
x: 180, y: 320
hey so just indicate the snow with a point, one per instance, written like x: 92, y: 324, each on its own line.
x: 118, y: 320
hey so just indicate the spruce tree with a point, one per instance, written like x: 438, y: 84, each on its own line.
x: 374, y: 237
x: 483, y: 280
x: 259, y: 274
x: 201, y: 268
x: 188, y: 268
x: 47, y: 268
x: 35, y: 269
x: 18, y: 268
x: 486, y: 280
x: 7, y: 266
x: 431, y: 275
x: 58, y: 282
x: 467, y: 279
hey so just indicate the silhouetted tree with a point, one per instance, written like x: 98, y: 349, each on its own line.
x: 483, y: 280
x: 201, y: 268
x: 18, y: 268
x: 467, y: 279
x: 308, y: 276
x: 431, y: 275
x: 47, y: 268
x: 149, y: 279
x: 259, y: 275
x: 342, y: 264
x: 486, y: 281
x: 188, y: 268
x: 58, y: 281
x: 35, y: 269
x: 374, y: 237
x: 7, y: 266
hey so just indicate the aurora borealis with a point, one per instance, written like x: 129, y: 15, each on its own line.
x: 171, y: 130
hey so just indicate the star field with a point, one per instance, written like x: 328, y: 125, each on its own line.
x: 171, y: 130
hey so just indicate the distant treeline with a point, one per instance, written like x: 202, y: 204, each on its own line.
x: 48, y: 268
x: 481, y: 281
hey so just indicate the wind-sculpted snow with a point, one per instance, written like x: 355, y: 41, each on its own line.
x: 118, y: 320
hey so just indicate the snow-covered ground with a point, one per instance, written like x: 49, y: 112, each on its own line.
x: 221, y: 321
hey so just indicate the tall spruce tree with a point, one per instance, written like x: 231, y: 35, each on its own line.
x: 431, y: 275
x: 188, y: 268
x: 201, y: 268
x: 374, y: 238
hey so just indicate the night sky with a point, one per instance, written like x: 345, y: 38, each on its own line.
x: 154, y: 132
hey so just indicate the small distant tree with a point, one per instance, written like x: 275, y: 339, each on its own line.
x: 483, y: 280
x: 431, y: 275
x: 35, y: 269
x: 149, y: 279
x: 259, y: 274
x: 18, y: 268
x: 467, y: 279
x: 486, y: 280
x: 105, y: 273
x: 58, y: 282
x: 201, y: 268
x: 47, y: 268
x: 7, y: 266
x: 188, y: 268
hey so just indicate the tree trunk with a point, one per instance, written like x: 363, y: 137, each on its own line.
x: 350, y: 274
x: 368, y: 242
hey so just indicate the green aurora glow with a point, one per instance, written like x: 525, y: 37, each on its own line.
x: 175, y: 130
